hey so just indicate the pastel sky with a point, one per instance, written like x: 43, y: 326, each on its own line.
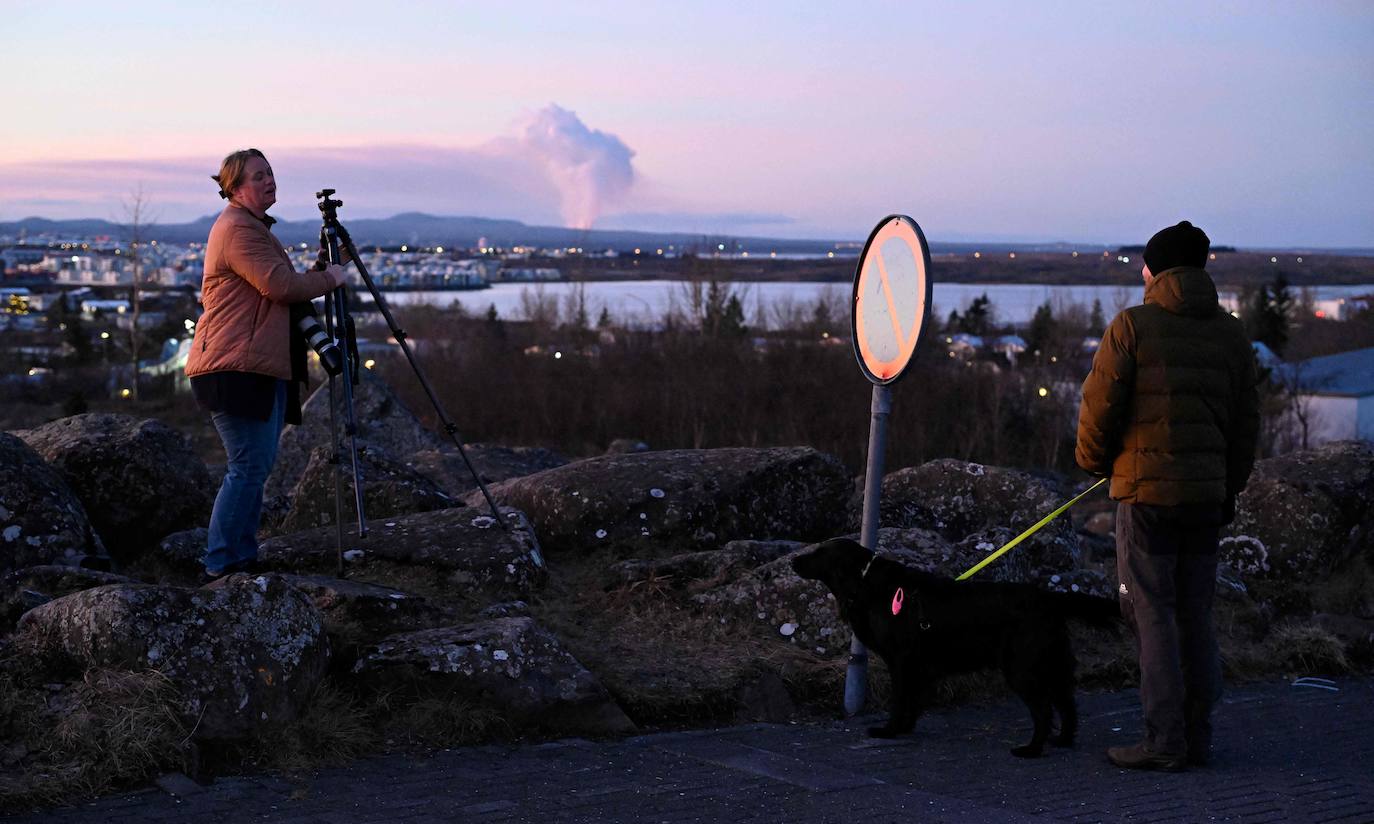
x: 1080, y: 121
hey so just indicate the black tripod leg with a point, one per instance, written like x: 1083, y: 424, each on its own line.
x: 334, y: 447
x: 399, y: 334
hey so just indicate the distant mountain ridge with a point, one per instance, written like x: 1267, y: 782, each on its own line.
x: 419, y: 229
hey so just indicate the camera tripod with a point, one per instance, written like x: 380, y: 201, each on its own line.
x: 339, y: 326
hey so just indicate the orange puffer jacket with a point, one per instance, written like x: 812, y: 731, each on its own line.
x: 247, y: 291
x: 1170, y: 408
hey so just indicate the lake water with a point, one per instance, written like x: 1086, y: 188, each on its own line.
x: 769, y: 304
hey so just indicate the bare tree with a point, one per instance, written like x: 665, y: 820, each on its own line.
x: 136, y: 210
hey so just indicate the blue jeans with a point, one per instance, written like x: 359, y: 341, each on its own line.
x: 250, y: 446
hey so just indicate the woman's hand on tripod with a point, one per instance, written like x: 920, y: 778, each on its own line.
x: 336, y: 273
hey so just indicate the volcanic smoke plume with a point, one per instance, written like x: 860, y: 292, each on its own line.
x: 590, y: 169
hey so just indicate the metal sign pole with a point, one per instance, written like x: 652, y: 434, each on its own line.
x: 856, y: 676
x: 891, y: 302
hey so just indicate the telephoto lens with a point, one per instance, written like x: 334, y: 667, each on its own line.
x: 330, y: 356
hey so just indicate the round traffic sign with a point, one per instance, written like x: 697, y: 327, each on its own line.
x: 892, y: 289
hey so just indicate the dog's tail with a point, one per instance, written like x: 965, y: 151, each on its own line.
x: 1090, y: 609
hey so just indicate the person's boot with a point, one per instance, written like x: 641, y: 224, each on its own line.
x: 1199, y: 750
x: 1139, y: 758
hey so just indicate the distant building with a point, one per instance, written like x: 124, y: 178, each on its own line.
x: 1333, y: 396
x: 528, y: 274
x: 1009, y: 346
x: 91, y: 308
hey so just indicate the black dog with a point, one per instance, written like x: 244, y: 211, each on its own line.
x: 926, y: 627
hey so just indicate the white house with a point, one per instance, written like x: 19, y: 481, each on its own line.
x: 1335, y: 394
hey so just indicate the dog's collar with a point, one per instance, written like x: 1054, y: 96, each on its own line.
x: 920, y: 607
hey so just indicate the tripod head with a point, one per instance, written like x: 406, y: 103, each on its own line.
x: 328, y: 206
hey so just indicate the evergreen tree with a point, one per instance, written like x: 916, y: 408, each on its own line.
x: 1097, y: 321
x: 732, y: 319
x: 978, y: 317
x: 1267, y: 312
x: 604, y: 320
x: 1042, y: 329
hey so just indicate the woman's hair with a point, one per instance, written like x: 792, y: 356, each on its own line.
x: 231, y: 170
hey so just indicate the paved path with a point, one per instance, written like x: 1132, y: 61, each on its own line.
x: 1284, y: 754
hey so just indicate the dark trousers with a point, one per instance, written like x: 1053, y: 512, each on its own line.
x: 1166, y: 559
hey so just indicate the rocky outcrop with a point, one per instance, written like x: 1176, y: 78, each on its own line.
x: 382, y: 420
x: 458, y: 552
x: 177, y: 558
x: 959, y: 500
x: 244, y: 655
x: 138, y: 480
x: 652, y: 504
x: 358, y: 613
x: 1305, y: 513
x: 509, y: 664
x: 41, y: 520
x: 800, y: 611
x: 25, y: 589
x: 492, y: 463
x: 696, y: 569
x: 390, y: 488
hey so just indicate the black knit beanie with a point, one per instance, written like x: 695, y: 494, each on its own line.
x: 1181, y: 245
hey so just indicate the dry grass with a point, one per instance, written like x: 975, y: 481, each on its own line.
x: 107, y: 730
x: 443, y: 721
x: 333, y: 729
x: 1349, y: 591
x: 1305, y: 649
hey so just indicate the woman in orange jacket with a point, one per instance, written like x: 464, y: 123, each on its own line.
x: 245, y: 365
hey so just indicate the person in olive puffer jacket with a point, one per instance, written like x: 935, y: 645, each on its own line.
x: 1170, y: 412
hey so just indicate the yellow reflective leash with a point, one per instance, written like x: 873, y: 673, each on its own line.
x: 1024, y: 535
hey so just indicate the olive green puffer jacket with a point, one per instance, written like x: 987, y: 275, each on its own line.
x: 1170, y: 408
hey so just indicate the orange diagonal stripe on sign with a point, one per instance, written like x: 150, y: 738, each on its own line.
x: 891, y: 303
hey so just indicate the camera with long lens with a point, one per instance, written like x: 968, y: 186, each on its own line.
x: 330, y: 356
